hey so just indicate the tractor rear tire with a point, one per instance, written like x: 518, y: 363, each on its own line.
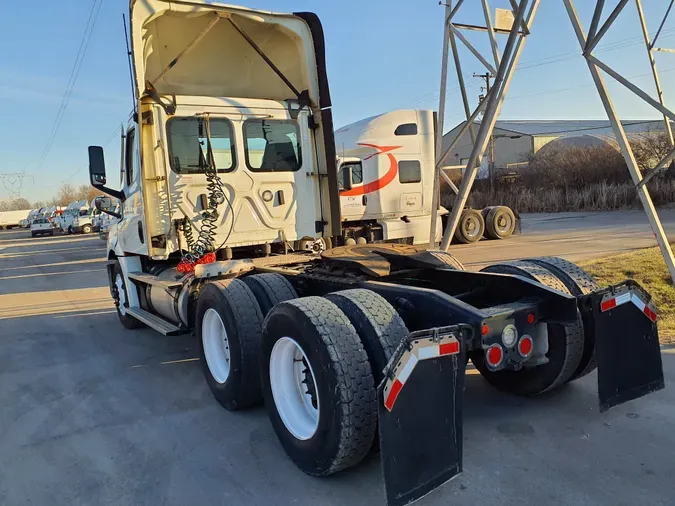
x: 318, y: 385
x: 448, y: 259
x: 566, y: 344
x: 377, y: 323
x: 471, y: 227
x: 500, y: 222
x: 270, y: 289
x: 228, y: 323
x: 578, y: 282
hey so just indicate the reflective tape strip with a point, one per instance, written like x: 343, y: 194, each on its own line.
x: 608, y: 304
x: 448, y: 346
x: 399, y: 381
x: 407, y: 369
x: 439, y: 350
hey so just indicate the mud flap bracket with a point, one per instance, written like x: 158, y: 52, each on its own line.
x: 420, y: 413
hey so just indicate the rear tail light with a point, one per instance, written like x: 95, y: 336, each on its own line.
x: 525, y: 346
x: 530, y: 318
x: 494, y: 355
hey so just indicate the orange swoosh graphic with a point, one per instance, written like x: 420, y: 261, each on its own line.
x: 378, y: 183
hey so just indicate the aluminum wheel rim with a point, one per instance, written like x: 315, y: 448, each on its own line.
x: 121, y: 295
x: 472, y: 226
x: 289, y: 380
x: 503, y: 222
x: 216, y: 345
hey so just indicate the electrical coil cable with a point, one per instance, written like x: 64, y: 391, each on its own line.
x: 202, y: 249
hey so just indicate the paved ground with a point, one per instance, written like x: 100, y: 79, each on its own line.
x: 575, y: 236
x: 93, y: 414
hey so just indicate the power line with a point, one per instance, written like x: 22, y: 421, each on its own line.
x: 607, y: 47
x: 79, y: 58
x: 112, y: 136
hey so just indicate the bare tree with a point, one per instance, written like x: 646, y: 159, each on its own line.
x: 14, y: 205
x: 67, y: 194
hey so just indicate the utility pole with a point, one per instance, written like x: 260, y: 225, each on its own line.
x: 491, y: 148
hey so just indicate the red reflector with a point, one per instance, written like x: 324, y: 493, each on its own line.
x: 530, y: 318
x: 650, y: 314
x: 396, y: 388
x: 495, y: 355
x: 608, y: 304
x: 525, y: 346
x: 485, y: 330
x: 449, y: 348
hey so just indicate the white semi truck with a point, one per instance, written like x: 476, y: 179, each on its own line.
x: 229, y: 196
x: 386, y: 173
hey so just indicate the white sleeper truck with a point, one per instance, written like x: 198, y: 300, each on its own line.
x: 230, y: 197
x: 386, y: 174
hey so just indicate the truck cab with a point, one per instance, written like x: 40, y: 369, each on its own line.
x: 385, y: 173
x: 220, y: 161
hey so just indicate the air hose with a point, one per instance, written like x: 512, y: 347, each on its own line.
x: 202, y: 249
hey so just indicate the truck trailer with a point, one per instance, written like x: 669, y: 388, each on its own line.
x: 12, y: 219
x: 229, y: 199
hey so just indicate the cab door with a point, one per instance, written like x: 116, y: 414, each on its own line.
x: 352, y: 201
x: 132, y: 233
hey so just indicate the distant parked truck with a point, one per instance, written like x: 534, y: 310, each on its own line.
x: 83, y: 222
x: 386, y: 167
x: 12, y: 219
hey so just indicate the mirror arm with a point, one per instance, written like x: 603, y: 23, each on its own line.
x: 112, y: 213
x: 118, y: 194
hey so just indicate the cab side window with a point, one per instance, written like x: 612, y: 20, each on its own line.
x: 129, y: 157
x: 409, y: 171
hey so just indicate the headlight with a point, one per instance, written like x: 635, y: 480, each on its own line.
x: 509, y: 335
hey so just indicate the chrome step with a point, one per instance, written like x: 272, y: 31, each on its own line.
x: 149, y: 279
x: 154, y: 322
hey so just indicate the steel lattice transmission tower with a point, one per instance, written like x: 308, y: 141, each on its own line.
x: 514, y: 25
x: 13, y: 183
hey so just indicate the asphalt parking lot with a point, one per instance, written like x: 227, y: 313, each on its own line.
x: 92, y: 413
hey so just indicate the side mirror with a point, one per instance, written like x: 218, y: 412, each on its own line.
x: 96, y: 166
x: 346, y: 177
x: 104, y: 204
x: 97, y: 173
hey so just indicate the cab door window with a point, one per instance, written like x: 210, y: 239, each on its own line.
x: 357, y: 174
x: 130, y: 158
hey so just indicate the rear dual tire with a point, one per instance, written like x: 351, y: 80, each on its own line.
x: 326, y: 416
x: 570, y: 347
x: 500, y: 222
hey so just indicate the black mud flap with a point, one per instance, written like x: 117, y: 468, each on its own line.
x: 627, y: 346
x: 420, y: 413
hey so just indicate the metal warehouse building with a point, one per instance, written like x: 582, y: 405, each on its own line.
x: 516, y: 141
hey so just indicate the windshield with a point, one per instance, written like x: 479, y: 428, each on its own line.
x: 188, y: 146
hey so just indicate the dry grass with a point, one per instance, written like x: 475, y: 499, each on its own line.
x: 594, y: 197
x: 647, y: 267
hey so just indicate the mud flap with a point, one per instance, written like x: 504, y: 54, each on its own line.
x: 420, y: 413
x: 627, y: 346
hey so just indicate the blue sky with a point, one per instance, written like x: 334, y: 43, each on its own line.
x: 382, y: 55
